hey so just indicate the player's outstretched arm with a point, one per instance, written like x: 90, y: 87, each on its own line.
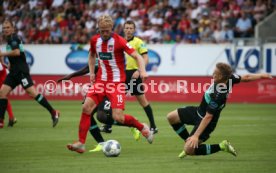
x: 15, y: 52
x: 80, y: 72
x: 253, y: 77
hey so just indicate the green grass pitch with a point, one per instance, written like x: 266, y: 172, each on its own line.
x: 33, y: 146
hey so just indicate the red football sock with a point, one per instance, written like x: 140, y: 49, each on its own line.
x: 9, y: 110
x: 132, y: 122
x: 84, y: 127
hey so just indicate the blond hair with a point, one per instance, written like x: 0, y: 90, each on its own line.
x: 105, y: 20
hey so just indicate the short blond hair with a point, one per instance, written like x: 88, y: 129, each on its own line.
x: 105, y: 20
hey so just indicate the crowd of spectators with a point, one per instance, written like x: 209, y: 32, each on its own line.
x: 157, y: 21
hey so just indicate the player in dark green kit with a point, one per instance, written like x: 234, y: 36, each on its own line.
x: 205, y: 117
x: 19, y: 73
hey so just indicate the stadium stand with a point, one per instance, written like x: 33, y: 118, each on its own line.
x: 164, y: 21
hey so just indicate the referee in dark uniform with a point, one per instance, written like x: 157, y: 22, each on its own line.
x: 19, y: 73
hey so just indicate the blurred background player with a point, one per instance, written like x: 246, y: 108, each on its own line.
x: 3, y: 74
x: 133, y: 79
x: 109, y: 47
x: 19, y: 73
x: 205, y: 117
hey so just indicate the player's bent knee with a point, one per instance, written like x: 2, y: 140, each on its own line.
x: 2, y: 95
x: 172, y: 117
x: 4, y: 92
x: 119, y: 119
x: 189, y: 150
x: 86, y: 108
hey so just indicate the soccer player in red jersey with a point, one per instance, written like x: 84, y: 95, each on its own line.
x: 3, y: 74
x: 109, y: 48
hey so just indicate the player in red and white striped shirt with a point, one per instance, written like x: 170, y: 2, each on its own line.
x: 109, y: 48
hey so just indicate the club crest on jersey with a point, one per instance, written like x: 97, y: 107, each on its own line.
x: 129, y: 46
x: 110, y: 48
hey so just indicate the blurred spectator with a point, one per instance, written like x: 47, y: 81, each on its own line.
x: 157, y: 19
x: 234, y: 7
x: 204, y: 21
x: 231, y: 20
x: 55, y: 34
x: 228, y: 34
x: 191, y: 36
x: 218, y: 34
x: 57, y: 3
x: 205, y: 30
x: 270, y: 5
x: 90, y: 24
x: 259, y: 10
x: 167, y: 39
x: 156, y: 36
x: 179, y: 39
x: 248, y: 7
x: 72, y: 21
x: 196, y: 10
x: 243, y: 26
x: 203, y: 4
x: 174, y: 3
x: 183, y: 24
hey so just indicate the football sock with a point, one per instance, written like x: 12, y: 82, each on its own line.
x: 206, y: 149
x: 3, y: 107
x: 43, y: 102
x: 181, y: 130
x: 149, y: 113
x: 95, y: 131
x: 84, y: 127
x: 9, y: 110
x: 132, y: 122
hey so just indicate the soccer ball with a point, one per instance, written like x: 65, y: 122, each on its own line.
x: 111, y: 148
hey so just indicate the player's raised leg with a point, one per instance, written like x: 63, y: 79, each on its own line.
x: 130, y: 121
x: 44, y: 102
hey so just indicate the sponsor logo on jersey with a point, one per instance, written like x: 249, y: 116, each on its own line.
x: 105, y: 55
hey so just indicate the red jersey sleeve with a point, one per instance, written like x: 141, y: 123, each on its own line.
x: 126, y: 46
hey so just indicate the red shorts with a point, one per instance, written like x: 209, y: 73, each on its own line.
x: 115, y: 92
